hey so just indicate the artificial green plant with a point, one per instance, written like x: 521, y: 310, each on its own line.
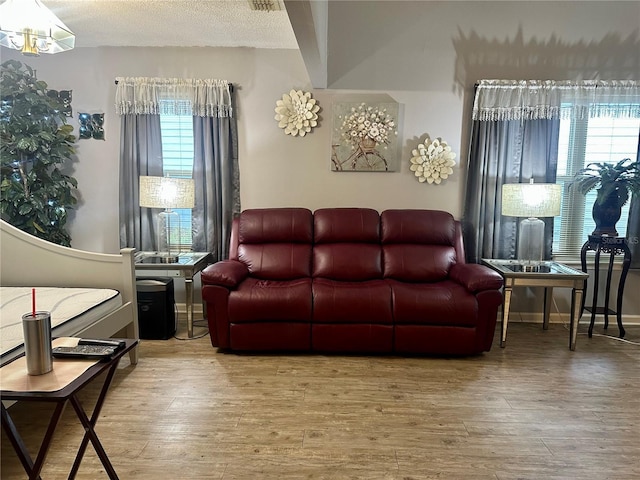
x: 611, y: 180
x: 36, y: 148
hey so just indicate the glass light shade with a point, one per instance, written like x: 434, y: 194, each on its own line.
x: 165, y: 192
x: 29, y: 26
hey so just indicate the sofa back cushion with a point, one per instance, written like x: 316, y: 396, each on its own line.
x: 276, y: 243
x: 347, y: 244
x: 418, y: 245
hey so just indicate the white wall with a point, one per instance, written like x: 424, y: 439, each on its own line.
x: 275, y: 169
x: 278, y: 170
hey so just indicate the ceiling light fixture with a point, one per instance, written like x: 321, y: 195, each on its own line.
x: 29, y: 26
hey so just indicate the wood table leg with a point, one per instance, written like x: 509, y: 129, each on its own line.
x: 548, y: 298
x: 33, y: 469
x: 576, y: 312
x: 505, y: 315
x: 89, y: 424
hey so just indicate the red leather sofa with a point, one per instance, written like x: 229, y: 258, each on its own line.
x: 350, y: 280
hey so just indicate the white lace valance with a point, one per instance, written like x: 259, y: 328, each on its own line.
x: 173, y: 96
x: 546, y: 99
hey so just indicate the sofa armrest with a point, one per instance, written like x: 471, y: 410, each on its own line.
x: 226, y: 273
x: 475, y: 277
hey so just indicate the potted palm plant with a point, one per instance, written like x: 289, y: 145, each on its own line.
x: 614, y: 183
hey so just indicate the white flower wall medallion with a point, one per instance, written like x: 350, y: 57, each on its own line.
x: 297, y: 113
x: 432, y: 161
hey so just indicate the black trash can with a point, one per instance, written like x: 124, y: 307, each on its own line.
x: 156, y: 308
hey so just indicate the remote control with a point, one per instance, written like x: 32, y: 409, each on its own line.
x: 105, y: 343
x: 84, y: 351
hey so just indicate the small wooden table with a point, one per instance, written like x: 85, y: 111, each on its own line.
x: 547, y: 275
x: 66, y: 394
x: 187, y: 265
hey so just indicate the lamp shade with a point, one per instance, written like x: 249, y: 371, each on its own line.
x: 531, y: 199
x: 165, y: 192
x: 29, y: 26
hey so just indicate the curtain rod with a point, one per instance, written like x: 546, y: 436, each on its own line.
x: 230, y: 85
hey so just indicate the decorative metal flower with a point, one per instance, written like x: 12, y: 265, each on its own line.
x: 297, y: 113
x: 432, y: 161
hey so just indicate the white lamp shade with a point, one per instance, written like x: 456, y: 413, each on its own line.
x: 29, y: 26
x: 165, y: 192
x: 531, y: 199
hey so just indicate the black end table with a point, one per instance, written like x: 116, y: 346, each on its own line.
x: 612, y: 246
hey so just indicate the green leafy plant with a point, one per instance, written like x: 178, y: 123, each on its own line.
x: 36, y: 144
x: 610, y: 180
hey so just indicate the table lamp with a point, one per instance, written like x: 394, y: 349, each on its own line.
x: 531, y: 200
x: 168, y: 193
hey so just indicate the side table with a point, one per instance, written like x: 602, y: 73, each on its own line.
x: 612, y: 246
x: 187, y: 266
x: 547, y: 275
x: 67, y: 393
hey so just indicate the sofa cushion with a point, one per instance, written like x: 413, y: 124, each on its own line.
x: 424, y: 227
x: 276, y: 244
x: 441, y: 303
x: 352, y: 338
x: 347, y: 262
x: 269, y: 300
x: 417, y: 263
x: 276, y: 225
x: 347, y: 244
x: 417, y: 245
x: 351, y: 302
x: 276, y: 261
x: 346, y: 225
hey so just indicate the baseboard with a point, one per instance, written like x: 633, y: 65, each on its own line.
x: 525, y: 317
x: 181, y: 309
x: 564, y: 318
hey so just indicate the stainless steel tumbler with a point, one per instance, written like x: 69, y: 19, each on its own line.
x: 37, y: 342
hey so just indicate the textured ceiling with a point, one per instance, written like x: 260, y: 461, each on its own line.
x: 180, y: 23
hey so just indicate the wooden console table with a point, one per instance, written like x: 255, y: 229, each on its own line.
x: 59, y: 386
x: 612, y: 246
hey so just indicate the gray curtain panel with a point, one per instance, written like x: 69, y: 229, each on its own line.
x: 140, y: 154
x: 633, y: 231
x: 507, y: 151
x: 633, y: 227
x: 217, y: 184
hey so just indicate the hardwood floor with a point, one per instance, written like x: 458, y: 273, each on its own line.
x: 534, y: 410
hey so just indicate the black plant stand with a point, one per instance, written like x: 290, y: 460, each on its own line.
x: 612, y: 246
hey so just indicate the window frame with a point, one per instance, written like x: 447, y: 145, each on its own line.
x: 574, y: 223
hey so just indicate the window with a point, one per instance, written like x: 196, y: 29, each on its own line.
x: 177, y: 162
x: 584, y: 141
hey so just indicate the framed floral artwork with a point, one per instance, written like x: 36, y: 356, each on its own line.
x: 365, y: 137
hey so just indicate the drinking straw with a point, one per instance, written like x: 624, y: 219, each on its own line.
x: 33, y: 301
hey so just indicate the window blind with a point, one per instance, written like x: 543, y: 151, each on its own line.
x: 583, y: 141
